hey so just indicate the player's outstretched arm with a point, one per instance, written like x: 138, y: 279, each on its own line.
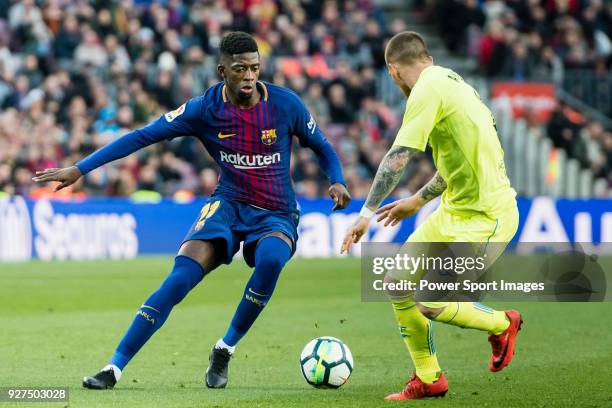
x: 387, y: 177
x: 117, y: 149
x: 396, y: 211
x: 179, y: 122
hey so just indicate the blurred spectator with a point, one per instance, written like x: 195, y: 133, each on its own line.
x: 563, y: 129
x: 455, y: 17
x: 317, y: 104
x: 68, y: 38
x: 519, y: 65
x: 207, y: 181
x: 339, y: 109
x: 90, y: 51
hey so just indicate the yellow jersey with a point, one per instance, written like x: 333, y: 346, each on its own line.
x: 448, y: 114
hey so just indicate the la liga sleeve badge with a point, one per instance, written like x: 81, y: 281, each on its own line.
x: 170, y: 116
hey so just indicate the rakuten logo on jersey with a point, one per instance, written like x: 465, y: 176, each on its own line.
x: 250, y: 161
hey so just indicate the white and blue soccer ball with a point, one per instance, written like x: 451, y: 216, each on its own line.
x: 326, y: 362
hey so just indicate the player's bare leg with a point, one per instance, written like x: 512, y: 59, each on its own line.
x: 195, y: 259
x: 203, y: 252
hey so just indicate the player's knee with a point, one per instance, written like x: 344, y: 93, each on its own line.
x: 184, y: 277
x: 270, y: 263
x: 202, y: 252
x: 394, y: 291
x: 177, y: 286
x: 268, y: 259
x: 403, y: 304
x: 429, y: 312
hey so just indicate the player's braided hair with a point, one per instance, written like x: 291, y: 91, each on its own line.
x: 237, y: 42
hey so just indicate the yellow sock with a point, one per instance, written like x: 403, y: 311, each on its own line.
x: 474, y: 315
x: 416, y: 331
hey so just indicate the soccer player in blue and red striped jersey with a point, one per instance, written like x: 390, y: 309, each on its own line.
x: 247, y: 126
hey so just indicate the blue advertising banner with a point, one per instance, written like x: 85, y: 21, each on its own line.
x: 121, y: 228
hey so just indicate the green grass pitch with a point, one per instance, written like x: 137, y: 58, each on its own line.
x: 60, y: 321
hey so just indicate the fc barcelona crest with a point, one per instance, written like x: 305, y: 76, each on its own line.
x: 268, y: 136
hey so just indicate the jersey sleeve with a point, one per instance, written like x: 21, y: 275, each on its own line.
x: 304, y: 125
x: 311, y: 136
x: 423, y: 111
x: 182, y: 121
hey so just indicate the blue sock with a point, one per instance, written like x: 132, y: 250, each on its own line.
x: 185, y: 275
x: 271, y: 254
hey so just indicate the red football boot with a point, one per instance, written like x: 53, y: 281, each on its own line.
x: 503, y: 344
x: 416, y: 389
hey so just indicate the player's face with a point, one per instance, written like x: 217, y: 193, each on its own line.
x: 240, y: 73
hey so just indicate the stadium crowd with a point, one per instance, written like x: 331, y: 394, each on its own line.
x: 526, y: 39
x: 76, y: 75
x: 542, y: 40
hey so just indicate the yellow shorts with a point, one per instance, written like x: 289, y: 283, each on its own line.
x: 446, y: 226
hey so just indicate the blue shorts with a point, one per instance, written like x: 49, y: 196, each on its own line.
x: 235, y: 222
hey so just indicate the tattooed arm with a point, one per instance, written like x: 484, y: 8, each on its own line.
x: 396, y: 211
x: 432, y: 189
x: 388, y: 175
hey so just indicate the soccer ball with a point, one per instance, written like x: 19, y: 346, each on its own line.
x: 326, y: 362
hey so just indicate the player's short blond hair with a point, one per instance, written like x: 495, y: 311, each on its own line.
x: 406, y: 48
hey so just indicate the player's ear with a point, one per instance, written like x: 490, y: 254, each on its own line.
x: 221, y: 70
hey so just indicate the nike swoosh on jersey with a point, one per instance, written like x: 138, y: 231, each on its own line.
x: 223, y: 136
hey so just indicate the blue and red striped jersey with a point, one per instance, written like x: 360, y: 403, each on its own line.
x: 252, y: 146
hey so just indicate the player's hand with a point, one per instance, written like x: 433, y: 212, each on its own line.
x: 396, y: 211
x: 66, y: 176
x: 340, y: 195
x: 354, y: 234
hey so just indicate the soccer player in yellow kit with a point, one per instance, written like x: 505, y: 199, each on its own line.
x: 477, y: 204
